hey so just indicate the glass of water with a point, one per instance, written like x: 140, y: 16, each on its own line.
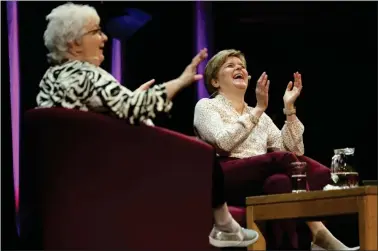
x: 299, y: 177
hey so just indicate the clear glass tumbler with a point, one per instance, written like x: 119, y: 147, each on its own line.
x: 299, y: 177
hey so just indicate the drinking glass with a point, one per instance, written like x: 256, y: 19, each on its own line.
x: 299, y: 177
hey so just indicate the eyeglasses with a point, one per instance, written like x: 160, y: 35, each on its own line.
x: 93, y: 32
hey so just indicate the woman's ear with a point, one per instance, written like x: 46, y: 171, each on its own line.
x: 215, y: 83
x: 74, y: 47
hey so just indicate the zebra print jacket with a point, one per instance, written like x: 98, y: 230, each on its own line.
x: 84, y: 86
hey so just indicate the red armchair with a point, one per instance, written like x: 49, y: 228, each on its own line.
x: 89, y: 181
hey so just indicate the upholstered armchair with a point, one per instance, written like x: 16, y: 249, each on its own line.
x: 89, y: 181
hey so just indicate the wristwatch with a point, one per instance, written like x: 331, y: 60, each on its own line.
x: 254, y: 120
x: 289, y: 112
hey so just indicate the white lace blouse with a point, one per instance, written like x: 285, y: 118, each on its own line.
x: 234, y: 135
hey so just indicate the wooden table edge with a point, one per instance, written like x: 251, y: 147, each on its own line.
x: 311, y: 195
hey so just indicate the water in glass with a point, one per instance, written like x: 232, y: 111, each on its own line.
x: 299, y: 177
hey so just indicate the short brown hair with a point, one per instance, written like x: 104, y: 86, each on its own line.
x: 216, y: 62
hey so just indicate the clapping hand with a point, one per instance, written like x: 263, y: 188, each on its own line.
x: 262, y: 92
x: 293, y: 91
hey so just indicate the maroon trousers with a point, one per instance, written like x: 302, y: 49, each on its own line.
x: 270, y: 174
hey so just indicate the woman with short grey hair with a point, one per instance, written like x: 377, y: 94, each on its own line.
x: 75, y: 80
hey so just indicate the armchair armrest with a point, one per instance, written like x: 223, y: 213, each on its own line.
x: 102, y: 184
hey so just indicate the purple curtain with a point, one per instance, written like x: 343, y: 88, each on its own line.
x: 14, y: 74
x: 203, y: 35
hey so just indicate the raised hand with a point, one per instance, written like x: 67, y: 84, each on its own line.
x: 293, y: 91
x: 262, y: 92
x: 190, y: 73
x: 146, y: 85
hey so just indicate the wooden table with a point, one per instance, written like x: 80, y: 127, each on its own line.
x: 361, y: 200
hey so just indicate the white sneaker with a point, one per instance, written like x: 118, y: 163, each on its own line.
x: 316, y: 247
x: 355, y: 248
x: 242, y: 238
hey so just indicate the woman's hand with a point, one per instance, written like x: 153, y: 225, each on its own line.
x: 187, y: 77
x: 145, y: 86
x: 293, y: 91
x: 190, y: 73
x: 262, y: 92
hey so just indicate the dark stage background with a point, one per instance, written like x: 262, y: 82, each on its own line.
x: 333, y: 45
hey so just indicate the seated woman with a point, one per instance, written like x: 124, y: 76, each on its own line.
x: 75, y: 81
x: 242, y: 134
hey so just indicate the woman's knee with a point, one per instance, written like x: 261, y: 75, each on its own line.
x: 277, y: 183
x: 318, y: 179
x: 281, y: 161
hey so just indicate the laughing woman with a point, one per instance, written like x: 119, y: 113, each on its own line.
x: 243, y: 134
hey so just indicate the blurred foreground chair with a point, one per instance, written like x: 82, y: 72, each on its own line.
x: 89, y: 181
